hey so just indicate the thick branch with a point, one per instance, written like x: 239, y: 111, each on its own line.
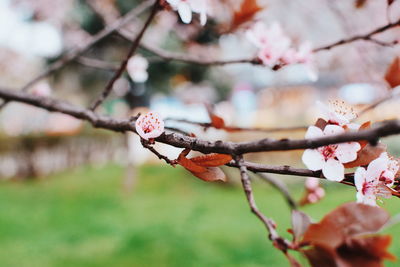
x: 178, y: 140
x: 124, y: 63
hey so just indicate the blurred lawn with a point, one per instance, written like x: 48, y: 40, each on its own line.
x: 84, y: 218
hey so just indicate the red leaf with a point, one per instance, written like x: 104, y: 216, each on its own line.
x: 247, y: 11
x: 366, y: 251
x: 319, y: 256
x: 392, y: 75
x: 211, y: 174
x: 340, y: 238
x: 212, y: 160
x: 206, y: 170
x: 188, y: 164
x: 216, y: 121
x: 346, y: 221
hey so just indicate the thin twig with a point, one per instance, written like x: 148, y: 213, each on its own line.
x: 74, y: 53
x: 392, y: 95
x: 147, y: 145
x: 124, y: 63
x: 169, y: 56
x: 273, y: 235
x: 365, y: 37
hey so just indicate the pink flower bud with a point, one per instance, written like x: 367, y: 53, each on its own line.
x: 150, y: 125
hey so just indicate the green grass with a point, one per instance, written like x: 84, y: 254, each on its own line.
x: 85, y: 218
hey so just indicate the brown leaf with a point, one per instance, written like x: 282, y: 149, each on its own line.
x: 216, y: 121
x: 347, y: 220
x: 300, y: 224
x: 247, y: 11
x: 212, y: 160
x: 366, y: 154
x: 320, y: 256
x: 392, y: 75
x: 211, y: 174
x: 188, y: 164
x: 389, y: 2
x: 366, y: 251
x: 340, y: 239
x: 207, y: 170
x: 321, y: 123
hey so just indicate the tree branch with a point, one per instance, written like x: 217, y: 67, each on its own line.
x: 365, y: 37
x: 273, y: 235
x: 178, y: 140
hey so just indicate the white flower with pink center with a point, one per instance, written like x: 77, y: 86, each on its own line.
x: 137, y: 68
x: 186, y: 7
x: 329, y: 158
x: 150, y: 125
x: 373, y: 182
x: 337, y: 112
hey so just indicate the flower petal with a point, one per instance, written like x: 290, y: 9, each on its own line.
x: 313, y: 132
x: 369, y: 199
x: 376, y: 168
x: 347, y: 152
x: 313, y: 159
x: 333, y: 130
x: 359, y: 178
x: 333, y: 170
x: 185, y: 12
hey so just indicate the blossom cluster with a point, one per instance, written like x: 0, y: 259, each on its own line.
x: 275, y: 47
x: 375, y: 180
x: 371, y: 182
x: 330, y: 158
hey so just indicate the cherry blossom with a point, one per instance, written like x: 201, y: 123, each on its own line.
x: 186, y: 7
x: 272, y: 42
x: 275, y: 47
x: 329, y: 158
x: 137, y: 68
x: 373, y: 182
x: 150, y: 125
x: 337, y: 112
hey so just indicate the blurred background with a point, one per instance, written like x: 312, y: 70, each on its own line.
x: 72, y: 195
